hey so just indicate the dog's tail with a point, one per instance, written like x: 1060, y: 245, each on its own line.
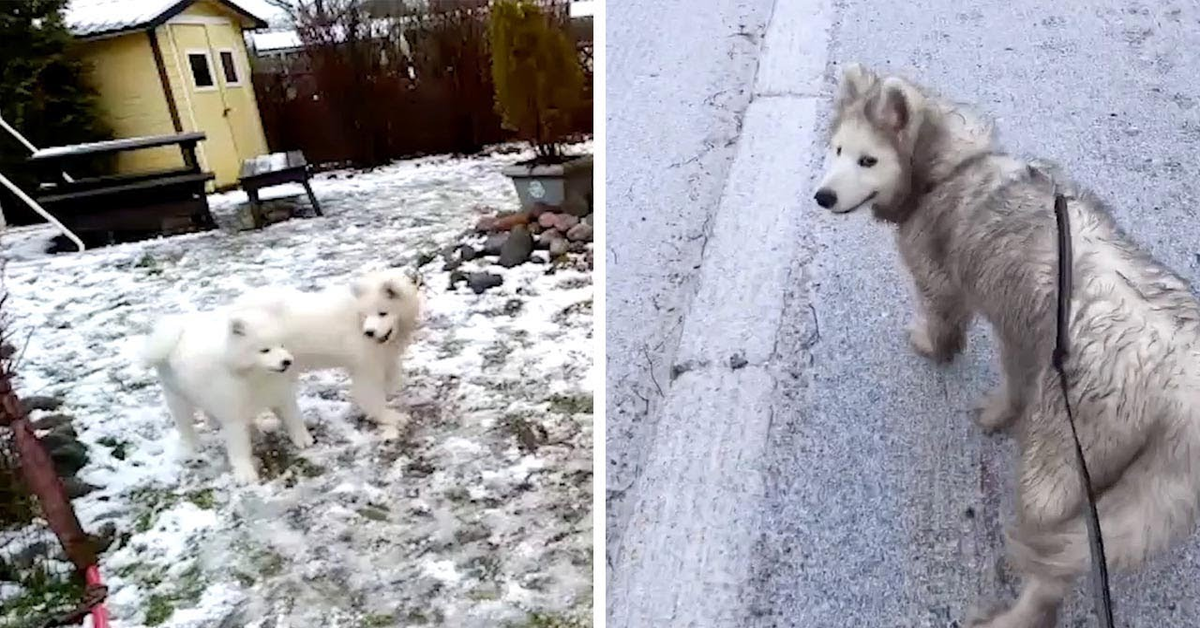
x: 162, y: 341
x: 1153, y: 505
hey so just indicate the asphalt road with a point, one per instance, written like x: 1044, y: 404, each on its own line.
x: 777, y: 455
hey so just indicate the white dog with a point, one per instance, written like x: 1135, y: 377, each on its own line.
x: 364, y: 329
x: 231, y: 365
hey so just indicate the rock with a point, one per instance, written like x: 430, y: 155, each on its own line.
x: 581, y: 232
x: 69, y: 459
x: 494, y: 243
x: 77, y: 488
x: 7, y: 351
x: 456, y: 277
x: 737, y: 361
x: 40, y: 403
x: 535, y: 228
x: 480, y: 282
x: 541, y: 208
x: 57, y: 440
x: 67, y: 430
x: 548, y: 220
x: 546, y: 238
x: 25, y: 557
x: 425, y: 257
x: 565, y: 222
x: 576, y: 247
x: 486, y: 224
x: 104, y: 537
x: 467, y: 252
x: 559, y: 247
x: 52, y: 421
x: 452, y: 264
x: 508, y: 221
x: 516, y: 248
x: 587, y: 220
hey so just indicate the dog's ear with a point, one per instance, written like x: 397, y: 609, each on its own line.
x: 414, y: 276
x: 856, y: 82
x: 894, y: 109
x: 390, y: 289
x: 237, y: 326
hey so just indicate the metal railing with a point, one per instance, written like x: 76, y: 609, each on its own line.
x: 27, y: 199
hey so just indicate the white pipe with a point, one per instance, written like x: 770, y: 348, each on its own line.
x: 28, y: 144
x: 45, y: 214
x: 20, y: 138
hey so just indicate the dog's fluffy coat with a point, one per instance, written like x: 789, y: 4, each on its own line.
x: 231, y: 365
x: 976, y: 229
x: 363, y: 328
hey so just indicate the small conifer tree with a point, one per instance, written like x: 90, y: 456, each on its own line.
x: 536, y: 71
x: 44, y: 92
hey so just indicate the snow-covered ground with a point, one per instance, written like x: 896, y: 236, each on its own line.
x: 480, y: 515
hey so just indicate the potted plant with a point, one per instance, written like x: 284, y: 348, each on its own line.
x: 539, y: 85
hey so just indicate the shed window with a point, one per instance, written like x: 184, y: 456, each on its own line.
x: 201, y: 72
x: 229, y: 68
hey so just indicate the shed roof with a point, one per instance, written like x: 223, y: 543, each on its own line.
x: 100, y: 18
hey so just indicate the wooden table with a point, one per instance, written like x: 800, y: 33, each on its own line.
x: 125, y: 207
x: 266, y: 171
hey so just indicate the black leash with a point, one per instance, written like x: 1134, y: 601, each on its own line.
x: 1103, y: 597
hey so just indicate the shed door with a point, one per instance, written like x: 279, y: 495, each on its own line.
x: 203, y: 79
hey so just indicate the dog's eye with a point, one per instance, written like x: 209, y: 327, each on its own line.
x: 383, y: 313
x: 839, y: 150
x: 264, y: 350
x: 866, y: 161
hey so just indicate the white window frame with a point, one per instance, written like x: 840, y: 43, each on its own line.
x: 187, y: 54
x: 237, y: 69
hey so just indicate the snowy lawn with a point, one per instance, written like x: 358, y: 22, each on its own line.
x: 479, y: 515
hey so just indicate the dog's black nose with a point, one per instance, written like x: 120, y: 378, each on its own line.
x: 286, y: 363
x: 370, y: 333
x: 825, y: 198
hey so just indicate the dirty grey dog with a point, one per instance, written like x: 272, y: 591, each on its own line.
x: 976, y: 229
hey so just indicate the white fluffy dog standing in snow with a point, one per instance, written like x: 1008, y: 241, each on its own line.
x: 364, y: 329
x: 231, y: 365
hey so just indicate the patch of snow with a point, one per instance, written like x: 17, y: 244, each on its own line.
x: 583, y: 8
x: 443, y: 570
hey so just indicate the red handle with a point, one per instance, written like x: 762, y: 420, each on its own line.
x: 99, y: 613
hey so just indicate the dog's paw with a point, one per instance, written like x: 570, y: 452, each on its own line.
x: 388, y: 431
x: 978, y: 618
x: 392, y: 424
x: 244, y: 473
x: 188, y: 449
x: 301, y: 438
x: 994, y: 413
x: 918, y: 337
x: 1000, y: 617
x: 391, y: 417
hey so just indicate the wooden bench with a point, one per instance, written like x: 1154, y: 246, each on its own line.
x: 125, y: 207
x: 270, y: 170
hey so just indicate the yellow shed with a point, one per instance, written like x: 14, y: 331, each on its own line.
x: 173, y: 66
